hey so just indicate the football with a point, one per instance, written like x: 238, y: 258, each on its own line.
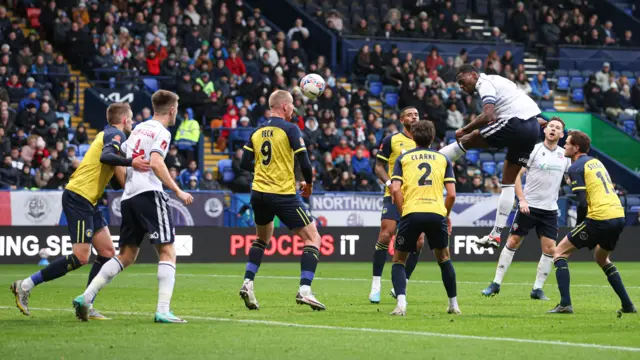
x: 312, y: 85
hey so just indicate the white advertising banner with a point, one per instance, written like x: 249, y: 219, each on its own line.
x: 39, y: 208
x: 347, y: 209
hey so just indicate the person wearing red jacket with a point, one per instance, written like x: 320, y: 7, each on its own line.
x: 161, y: 51
x: 153, y: 64
x: 235, y: 65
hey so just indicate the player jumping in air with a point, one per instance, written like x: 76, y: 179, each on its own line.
x: 419, y: 178
x: 391, y: 148
x: 508, y: 119
x: 145, y: 209
x: 272, y: 148
x: 600, y: 218
x: 537, y: 208
x: 86, y: 225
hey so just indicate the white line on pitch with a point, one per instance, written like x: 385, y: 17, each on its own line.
x: 370, y: 330
x: 343, y: 279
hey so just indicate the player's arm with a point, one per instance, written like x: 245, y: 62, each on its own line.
x: 488, y: 94
x: 121, y: 174
x: 112, y: 155
x: 396, y: 185
x: 300, y: 151
x: 523, y: 206
x: 578, y: 186
x: 382, y: 160
x: 159, y: 168
x: 248, y: 157
x: 450, y: 186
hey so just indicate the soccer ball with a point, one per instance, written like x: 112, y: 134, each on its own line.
x: 44, y: 253
x: 312, y: 85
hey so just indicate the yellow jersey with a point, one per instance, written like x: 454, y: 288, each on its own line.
x: 274, y: 146
x: 589, y: 174
x: 92, y: 176
x: 423, y: 173
x: 391, y: 148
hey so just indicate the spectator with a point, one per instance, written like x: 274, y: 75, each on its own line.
x: 342, y: 149
x: 627, y: 40
x: 635, y: 94
x: 334, y: 21
x: 272, y: 56
x: 5, y: 143
x: 593, y: 38
x: 540, y: 87
x: 186, y: 174
x: 592, y: 94
x: 602, y: 77
x: 611, y: 102
x: 188, y: 135
x: 363, y: 29
x: 44, y: 173
x: 496, y: 35
x: 174, y: 159
x: 235, y: 65
x: 209, y: 183
x: 298, y: 32
x: 608, y: 34
x: 519, y: 23
x: 206, y: 84
x: 80, y: 136
x: 26, y: 180
x: 477, y: 186
x: 455, y: 120
x: 434, y: 60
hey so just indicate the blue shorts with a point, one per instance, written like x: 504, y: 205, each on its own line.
x: 288, y: 208
x: 590, y: 233
x: 411, y: 226
x: 83, y: 218
x: 146, y: 213
x: 389, y: 210
x: 517, y: 135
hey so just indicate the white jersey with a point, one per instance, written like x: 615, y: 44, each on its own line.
x: 510, y: 102
x: 546, y: 169
x: 148, y: 137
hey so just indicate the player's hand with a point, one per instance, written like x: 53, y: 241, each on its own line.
x: 305, y: 189
x: 140, y: 164
x: 449, y: 225
x: 460, y: 133
x: 524, y: 207
x: 542, y: 122
x: 185, y: 197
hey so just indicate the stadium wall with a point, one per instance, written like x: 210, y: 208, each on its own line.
x: 21, y: 245
x: 98, y: 99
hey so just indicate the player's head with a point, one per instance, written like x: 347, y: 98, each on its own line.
x: 577, y: 143
x: 467, y: 77
x: 120, y: 114
x: 423, y: 133
x: 281, y: 104
x: 408, y: 117
x: 165, y: 104
x: 554, y: 130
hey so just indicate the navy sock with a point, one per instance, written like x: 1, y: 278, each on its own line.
x: 37, y: 278
x: 379, y: 258
x: 411, y: 263
x: 399, y: 278
x: 449, y: 278
x: 255, y: 259
x: 564, y: 279
x: 616, y: 283
x: 308, y: 264
x: 59, y: 267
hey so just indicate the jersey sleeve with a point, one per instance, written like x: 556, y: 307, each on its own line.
x: 576, y: 173
x: 449, y: 177
x: 248, y: 146
x: 385, y: 149
x: 115, y: 138
x: 161, y: 143
x: 487, y: 91
x: 295, y: 139
x: 397, y: 170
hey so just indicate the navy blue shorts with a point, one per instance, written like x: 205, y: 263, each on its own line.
x: 590, y: 233
x: 146, y: 213
x: 411, y: 226
x: 389, y: 210
x: 288, y: 208
x: 517, y: 135
x: 83, y: 219
x: 544, y: 221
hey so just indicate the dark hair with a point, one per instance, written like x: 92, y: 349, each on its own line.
x: 163, y: 100
x: 557, y: 118
x: 402, y: 112
x: 466, y: 68
x: 423, y: 133
x: 580, y: 139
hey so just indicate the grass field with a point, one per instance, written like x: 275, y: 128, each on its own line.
x: 507, y: 326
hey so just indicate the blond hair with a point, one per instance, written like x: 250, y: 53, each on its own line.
x: 116, y: 111
x: 278, y: 98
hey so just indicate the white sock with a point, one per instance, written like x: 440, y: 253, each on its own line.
x: 453, y: 302
x: 402, y: 300
x: 108, y: 271
x: 505, y: 204
x: 544, y: 268
x: 27, y: 284
x: 453, y: 151
x: 166, y: 282
x: 305, y: 289
x: 506, y: 257
x: 375, y: 284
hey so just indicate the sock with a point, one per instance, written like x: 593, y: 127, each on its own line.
x: 59, y: 267
x: 95, y: 269
x: 616, y: 283
x: 399, y: 280
x: 544, y: 268
x: 375, y: 284
x: 255, y: 259
x: 308, y: 264
x: 32, y: 281
x: 505, y: 204
x: 379, y: 258
x: 564, y: 279
x: 449, y: 278
x: 402, y: 300
x: 104, y: 277
x: 166, y: 281
x: 453, y: 151
x: 411, y: 263
x: 506, y: 257
x: 453, y: 302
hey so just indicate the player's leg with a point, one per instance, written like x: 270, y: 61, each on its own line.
x: 388, y: 223
x: 411, y: 263
x: 474, y: 140
x: 166, y: 283
x: 504, y: 261
x: 548, y: 246
x: 438, y: 239
x: 308, y: 263
x: 399, y: 281
x: 104, y: 247
x: 560, y: 257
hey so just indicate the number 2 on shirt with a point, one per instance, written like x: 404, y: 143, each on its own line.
x: 423, y: 181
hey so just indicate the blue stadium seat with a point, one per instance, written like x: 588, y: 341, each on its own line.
x: 586, y: 73
x: 450, y: 140
x: 472, y: 156
x: 561, y: 72
x: 489, y: 167
x: 630, y: 127
x: 632, y: 81
x: 82, y: 149
x: 391, y: 99
x: 563, y: 83
x: 632, y: 201
x: 389, y: 89
x: 373, y: 77
x: 151, y: 84
x: 574, y: 73
x: 484, y: 157
x: 576, y: 82
x: 547, y: 105
x: 375, y: 87
x: 80, y: 158
x: 577, y: 96
x: 499, y: 167
x: 499, y: 157
x: 450, y: 134
x: 70, y: 136
x: 225, y: 170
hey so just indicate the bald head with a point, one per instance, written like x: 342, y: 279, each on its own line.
x: 281, y: 104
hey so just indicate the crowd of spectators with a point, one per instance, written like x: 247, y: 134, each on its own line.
x: 607, y: 93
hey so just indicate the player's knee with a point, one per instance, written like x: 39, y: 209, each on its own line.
x: 83, y: 253
x: 442, y: 255
x: 514, y: 242
x: 107, y: 252
x: 385, y: 236
x: 548, y: 247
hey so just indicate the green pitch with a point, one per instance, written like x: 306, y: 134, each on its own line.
x: 505, y: 327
